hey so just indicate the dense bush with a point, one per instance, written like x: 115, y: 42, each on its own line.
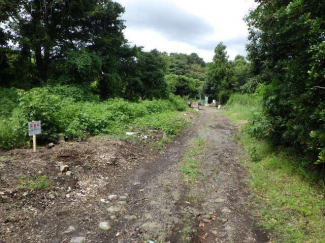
x: 77, y: 119
x: 287, y: 52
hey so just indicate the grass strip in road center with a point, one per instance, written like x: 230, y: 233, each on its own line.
x: 190, y: 162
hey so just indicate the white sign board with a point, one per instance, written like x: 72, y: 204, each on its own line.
x: 34, y: 128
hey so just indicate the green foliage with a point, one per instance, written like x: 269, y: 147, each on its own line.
x: 287, y: 52
x: 78, y: 119
x: 220, y: 80
x: 34, y: 183
x: 8, y: 101
x: 182, y: 85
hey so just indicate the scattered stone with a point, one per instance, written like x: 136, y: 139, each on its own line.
x: 123, y: 198
x: 78, y: 240
x: 105, y: 225
x: 219, y: 200
x: 50, y: 145
x: 114, y: 209
x: 112, y: 197
x: 224, y: 220
x: 226, y: 210
x: 214, y: 232
x: 68, y: 173
x: 228, y: 228
x: 136, y: 183
x: 113, y: 217
x: 113, y: 161
x: 206, y: 220
x: 152, y: 227
x: 64, y: 168
x: 122, y: 202
x: 147, y: 216
x: 70, y: 229
x: 51, y: 196
x: 25, y: 194
x: 130, y: 217
x: 141, y: 190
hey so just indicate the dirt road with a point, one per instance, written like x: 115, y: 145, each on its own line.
x: 143, y: 198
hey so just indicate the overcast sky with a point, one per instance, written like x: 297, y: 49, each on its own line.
x: 187, y: 26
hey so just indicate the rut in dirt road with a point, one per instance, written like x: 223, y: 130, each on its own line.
x: 213, y: 209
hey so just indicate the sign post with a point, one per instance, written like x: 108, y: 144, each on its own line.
x: 34, y: 128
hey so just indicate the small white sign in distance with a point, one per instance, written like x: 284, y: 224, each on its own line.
x: 34, y: 128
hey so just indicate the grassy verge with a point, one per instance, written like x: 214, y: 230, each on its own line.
x: 190, y: 162
x: 290, y: 201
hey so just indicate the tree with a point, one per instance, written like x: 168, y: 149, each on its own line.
x: 242, y: 71
x: 182, y: 85
x: 287, y: 52
x: 152, y: 70
x: 220, y: 83
x: 47, y: 31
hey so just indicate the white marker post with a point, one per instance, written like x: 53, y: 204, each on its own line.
x: 34, y: 128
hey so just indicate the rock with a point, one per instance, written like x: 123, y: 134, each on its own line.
x: 70, y: 229
x: 113, y: 217
x: 123, y: 198
x: 122, y: 202
x: 151, y: 227
x: 225, y: 210
x: 79, y: 239
x: 64, y: 168
x: 112, y: 197
x: 68, y: 173
x: 219, y: 200
x: 113, y: 161
x: 130, y: 217
x: 105, y: 226
x: 224, y: 220
x: 114, y: 209
x: 214, y: 232
x: 206, y: 220
x: 50, y: 145
x: 51, y: 196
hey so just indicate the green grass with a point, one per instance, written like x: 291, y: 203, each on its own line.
x: 34, y: 183
x: 190, y: 163
x: 289, y: 201
x: 241, y: 107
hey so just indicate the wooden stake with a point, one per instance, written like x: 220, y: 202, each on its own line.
x: 34, y: 143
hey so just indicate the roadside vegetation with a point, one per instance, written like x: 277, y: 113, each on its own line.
x: 80, y: 115
x: 288, y: 192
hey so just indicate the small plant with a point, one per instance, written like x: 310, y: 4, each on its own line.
x: 34, y: 183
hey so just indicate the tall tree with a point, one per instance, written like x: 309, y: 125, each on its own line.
x: 220, y: 83
x: 47, y: 30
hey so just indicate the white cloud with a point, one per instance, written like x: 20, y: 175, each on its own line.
x: 187, y: 25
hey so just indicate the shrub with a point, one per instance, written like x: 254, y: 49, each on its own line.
x: 76, y: 119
